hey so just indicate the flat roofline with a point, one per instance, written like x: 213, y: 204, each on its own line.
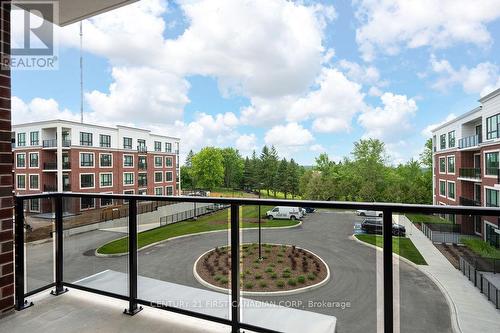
x: 489, y: 96
x: 462, y: 116
x: 71, y: 122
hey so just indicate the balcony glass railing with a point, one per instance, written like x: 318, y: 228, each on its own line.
x: 474, y: 173
x: 469, y: 202
x: 213, y: 276
x: 469, y: 141
x: 53, y: 143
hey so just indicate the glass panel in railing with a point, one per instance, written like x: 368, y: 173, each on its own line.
x: 39, y: 242
x: 438, y: 252
x: 184, y: 256
x: 95, y: 243
x: 318, y: 268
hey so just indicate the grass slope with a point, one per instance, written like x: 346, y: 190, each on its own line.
x: 482, y: 248
x: 400, y: 245
x: 423, y: 218
x: 213, y: 222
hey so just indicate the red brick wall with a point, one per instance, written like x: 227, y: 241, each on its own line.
x: 6, y: 198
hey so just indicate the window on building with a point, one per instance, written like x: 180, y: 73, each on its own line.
x: 105, y: 141
x: 106, y: 202
x: 142, y: 179
x: 158, y: 177
x: 491, y: 164
x: 21, y: 160
x: 142, y: 164
x: 168, y: 161
x: 451, y: 190
x: 21, y: 139
x: 87, y: 203
x: 128, y: 178
x: 477, y: 224
x: 158, y: 190
x: 86, y: 159
x: 34, y: 160
x: 34, y: 138
x: 106, y: 160
x: 169, y: 190
x: 491, y: 197
x: 35, y: 205
x: 442, y: 165
x: 168, y: 147
x: 34, y: 183
x: 141, y: 143
x: 442, y: 141
x: 127, y: 143
x: 442, y: 188
x: 451, y: 164
x: 21, y: 182
x: 168, y: 176
x: 125, y: 201
x: 158, y: 161
x: 157, y: 146
x: 451, y: 139
x: 106, y: 180
x: 87, y: 180
x: 142, y: 191
x: 492, y: 127
x: 128, y: 160
x: 85, y: 139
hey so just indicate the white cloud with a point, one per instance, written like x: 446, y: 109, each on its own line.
x: 427, y: 131
x: 482, y: 79
x: 39, y: 109
x: 390, y: 122
x: 246, y: 143
x: 139, y: 91
x: 389, y: 25
x: 361, y: 74
x: 317, y: 148
x: 289, y: 135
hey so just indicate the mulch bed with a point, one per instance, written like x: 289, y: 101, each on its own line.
x: 283, y: 267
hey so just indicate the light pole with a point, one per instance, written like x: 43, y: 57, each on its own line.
x: 260, y: 228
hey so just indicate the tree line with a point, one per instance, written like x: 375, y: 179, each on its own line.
x: 365, y: 175
x: 213, y: 167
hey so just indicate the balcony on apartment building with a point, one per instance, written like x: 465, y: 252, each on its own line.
x: 469, y: 202
x: 52, y: 143
x: 470, y: 141
x: 472, y: 174
x: 52, y: 166
x: 142, y: 149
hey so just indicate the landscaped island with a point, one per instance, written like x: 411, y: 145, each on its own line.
x: 282, y: 267
x: 212, y: 222
x: 400, y: 245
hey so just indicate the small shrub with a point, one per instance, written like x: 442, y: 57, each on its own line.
x: 287, y: 270
x: 256, y: 266
x: 224, y: 280
x: 263, y: 284
x: 256, y: 261
x: 218, y: 277
x: 292, y: 282
x: 249, y: 285
x: 301, y: 279
x: 258, y: 276
x: 280, y: 283
x: 269, y: 270
x: 286, y: 275
x: 279, y: 261
x: 273, y: 276
x: 267, y: 251
x: 311, y: 276
x: 280, y: 255
x: 272, y: 265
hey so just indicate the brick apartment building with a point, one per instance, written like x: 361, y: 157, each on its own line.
x: 466, y: 165
x: 61, y: 156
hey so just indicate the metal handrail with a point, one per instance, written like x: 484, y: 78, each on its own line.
x: 387, y: 208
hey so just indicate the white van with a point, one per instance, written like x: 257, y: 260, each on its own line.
x: 284, y: 212
x: 368, y: 213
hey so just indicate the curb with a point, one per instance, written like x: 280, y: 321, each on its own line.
x: 455, y: 325
x: 264, y: 293
x: 101, y: 255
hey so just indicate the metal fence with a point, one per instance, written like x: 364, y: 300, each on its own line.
x: 444, y: 233
x: 480, y: 281
x: 190, y: 214
x: 235, y: 321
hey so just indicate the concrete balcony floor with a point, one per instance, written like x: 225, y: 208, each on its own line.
x: 78, y: 311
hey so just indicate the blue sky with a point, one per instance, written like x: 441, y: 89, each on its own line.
x: 306, y: 76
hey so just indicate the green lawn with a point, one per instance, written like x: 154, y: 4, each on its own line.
x: 400, y: 245
x: 481, y: 248
x: 216, y: 221
x: 422, y: 218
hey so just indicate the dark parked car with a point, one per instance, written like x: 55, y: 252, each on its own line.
x: 375, y: 226
x: 309, y: 209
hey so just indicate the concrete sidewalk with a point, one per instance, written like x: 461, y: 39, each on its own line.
x: 472, y: 311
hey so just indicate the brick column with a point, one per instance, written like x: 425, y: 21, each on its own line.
x: 6, y: 179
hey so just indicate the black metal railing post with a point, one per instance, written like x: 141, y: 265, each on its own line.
x: 235, y: 268
x: 59, y: 256
x: 388, y: 283
x: 133, y: 307
x: 21, y: 303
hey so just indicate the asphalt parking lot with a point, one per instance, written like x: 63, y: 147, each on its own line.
x: 350, y: 295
